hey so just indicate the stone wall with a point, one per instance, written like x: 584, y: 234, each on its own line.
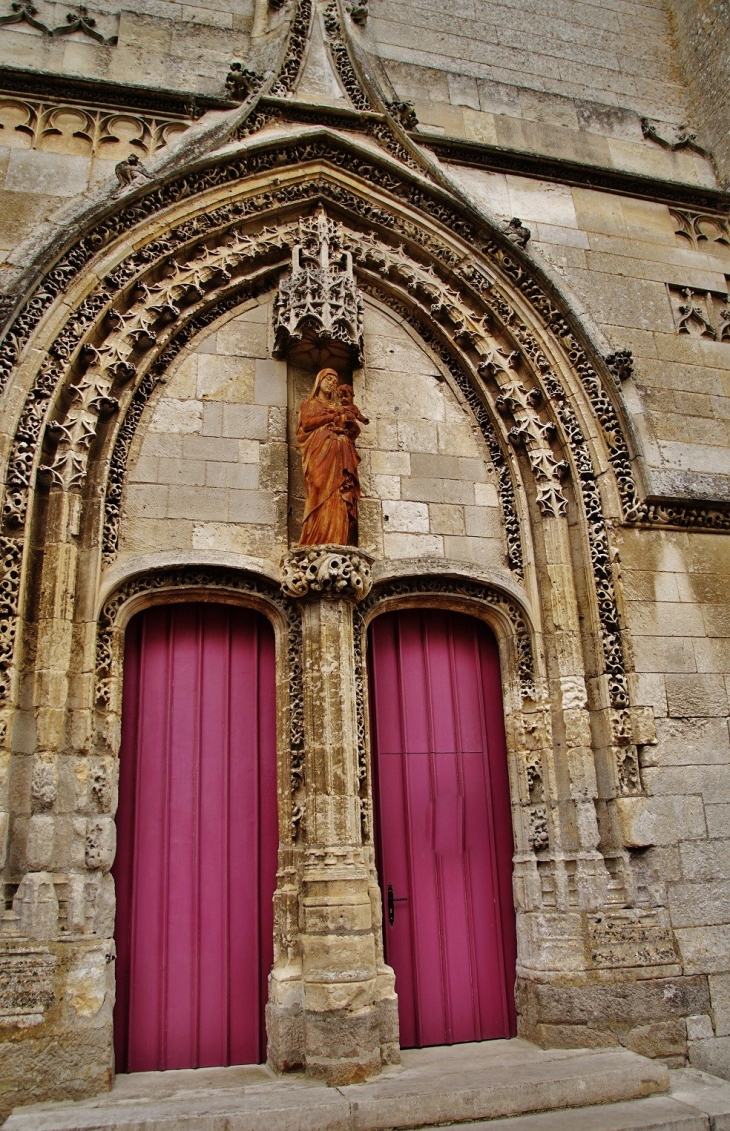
x: 700, y: 33
x: 517, y: 465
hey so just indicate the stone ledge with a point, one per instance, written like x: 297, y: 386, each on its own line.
x: 492, y: 1080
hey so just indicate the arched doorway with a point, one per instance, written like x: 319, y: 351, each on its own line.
x: 443, y: 825
x: 197, y: 831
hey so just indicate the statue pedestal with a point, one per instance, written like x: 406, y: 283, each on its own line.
x: 344, y: 1004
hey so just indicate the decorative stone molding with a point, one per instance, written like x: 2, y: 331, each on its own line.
x: 326, y: 571
x: 98, y: 129
x: 669, y: 136
x: 539, y: 836
x: 109, y: 640
x: 341, y: 58
x: 78, y: 19
x: 703, y: 314
x: 242, y: 81
x: 298, y: 39
x: 565, y: 171
x: 701, y: 227
x: 27, y: 975
x: 621, y: 364
x: 24, y: 12
x: 319, y: 298
x: 530, y: 431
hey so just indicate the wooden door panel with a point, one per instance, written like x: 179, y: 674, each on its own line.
x: 444, y: 825
x: 196, y: 862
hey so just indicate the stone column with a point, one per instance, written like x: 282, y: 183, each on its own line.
x: 342, y: 1040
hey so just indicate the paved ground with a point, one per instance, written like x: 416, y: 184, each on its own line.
x: 519, y: 1086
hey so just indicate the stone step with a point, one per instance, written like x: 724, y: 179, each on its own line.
x: 696, y: 1102
x: 462, y: 1083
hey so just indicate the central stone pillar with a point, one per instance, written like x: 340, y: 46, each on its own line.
x: 340, y: 967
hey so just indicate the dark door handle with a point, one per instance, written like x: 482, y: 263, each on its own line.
x: 392, y: 900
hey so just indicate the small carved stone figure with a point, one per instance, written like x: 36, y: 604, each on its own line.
x: 326, y: 432
x: 240, y: 82
x: 128, y: 170
x: 350, y: 415
x: 517, y: 232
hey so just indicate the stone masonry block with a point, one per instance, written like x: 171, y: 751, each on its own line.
x: 693, y: 695
x: 720, y: 995
x: 270, y: 382
x: 711, y: 1056
x: 413, y: 545
x: 247, y: 422
x: 694, y: 741
x: 406, y: 517
x: 146, y: 501
x: 390, y: 463
x: 252, y: 506
x: 704, y: 860
x: 190, y: 472
x: 56, y: 174
x: 652, y: 998
x: 704, y: 950
x: 212, y: 448
x: 177, y: 417
x: 209, y: 503
x: 242, y: 476
x: 428, y: 466
x: 40, y: 843
x: 700, y: 904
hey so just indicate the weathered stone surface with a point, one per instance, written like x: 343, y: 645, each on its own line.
x: 491, y: 1080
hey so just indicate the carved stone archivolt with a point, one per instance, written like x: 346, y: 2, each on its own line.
x: 212, y: 267
x: 135, y: 314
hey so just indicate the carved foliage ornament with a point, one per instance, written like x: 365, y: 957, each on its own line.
x: 327, y: 571
x: 109, y: 639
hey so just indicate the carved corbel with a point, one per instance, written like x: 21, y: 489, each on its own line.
x: 327, y: 571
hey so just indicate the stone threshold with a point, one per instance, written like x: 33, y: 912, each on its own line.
x: 493, y: 1080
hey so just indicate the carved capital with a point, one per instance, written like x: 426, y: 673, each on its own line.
x: 329, y: 571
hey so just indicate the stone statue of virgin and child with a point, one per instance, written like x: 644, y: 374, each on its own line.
x: 327, y: 428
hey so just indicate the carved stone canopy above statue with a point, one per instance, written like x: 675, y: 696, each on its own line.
x: 318, y: 313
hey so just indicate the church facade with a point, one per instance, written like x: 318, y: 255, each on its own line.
x: 365, y: 628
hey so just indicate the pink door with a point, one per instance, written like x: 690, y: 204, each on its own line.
x: 197, y: 838
x: 444, y: 825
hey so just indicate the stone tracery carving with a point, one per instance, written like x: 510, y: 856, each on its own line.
x: 701, y: 227
x: 703, y: 314
x: 319, y: 297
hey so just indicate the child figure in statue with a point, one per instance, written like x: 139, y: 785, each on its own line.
x: 350, y: 414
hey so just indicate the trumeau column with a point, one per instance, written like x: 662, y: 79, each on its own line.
x: 347, y: 1018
